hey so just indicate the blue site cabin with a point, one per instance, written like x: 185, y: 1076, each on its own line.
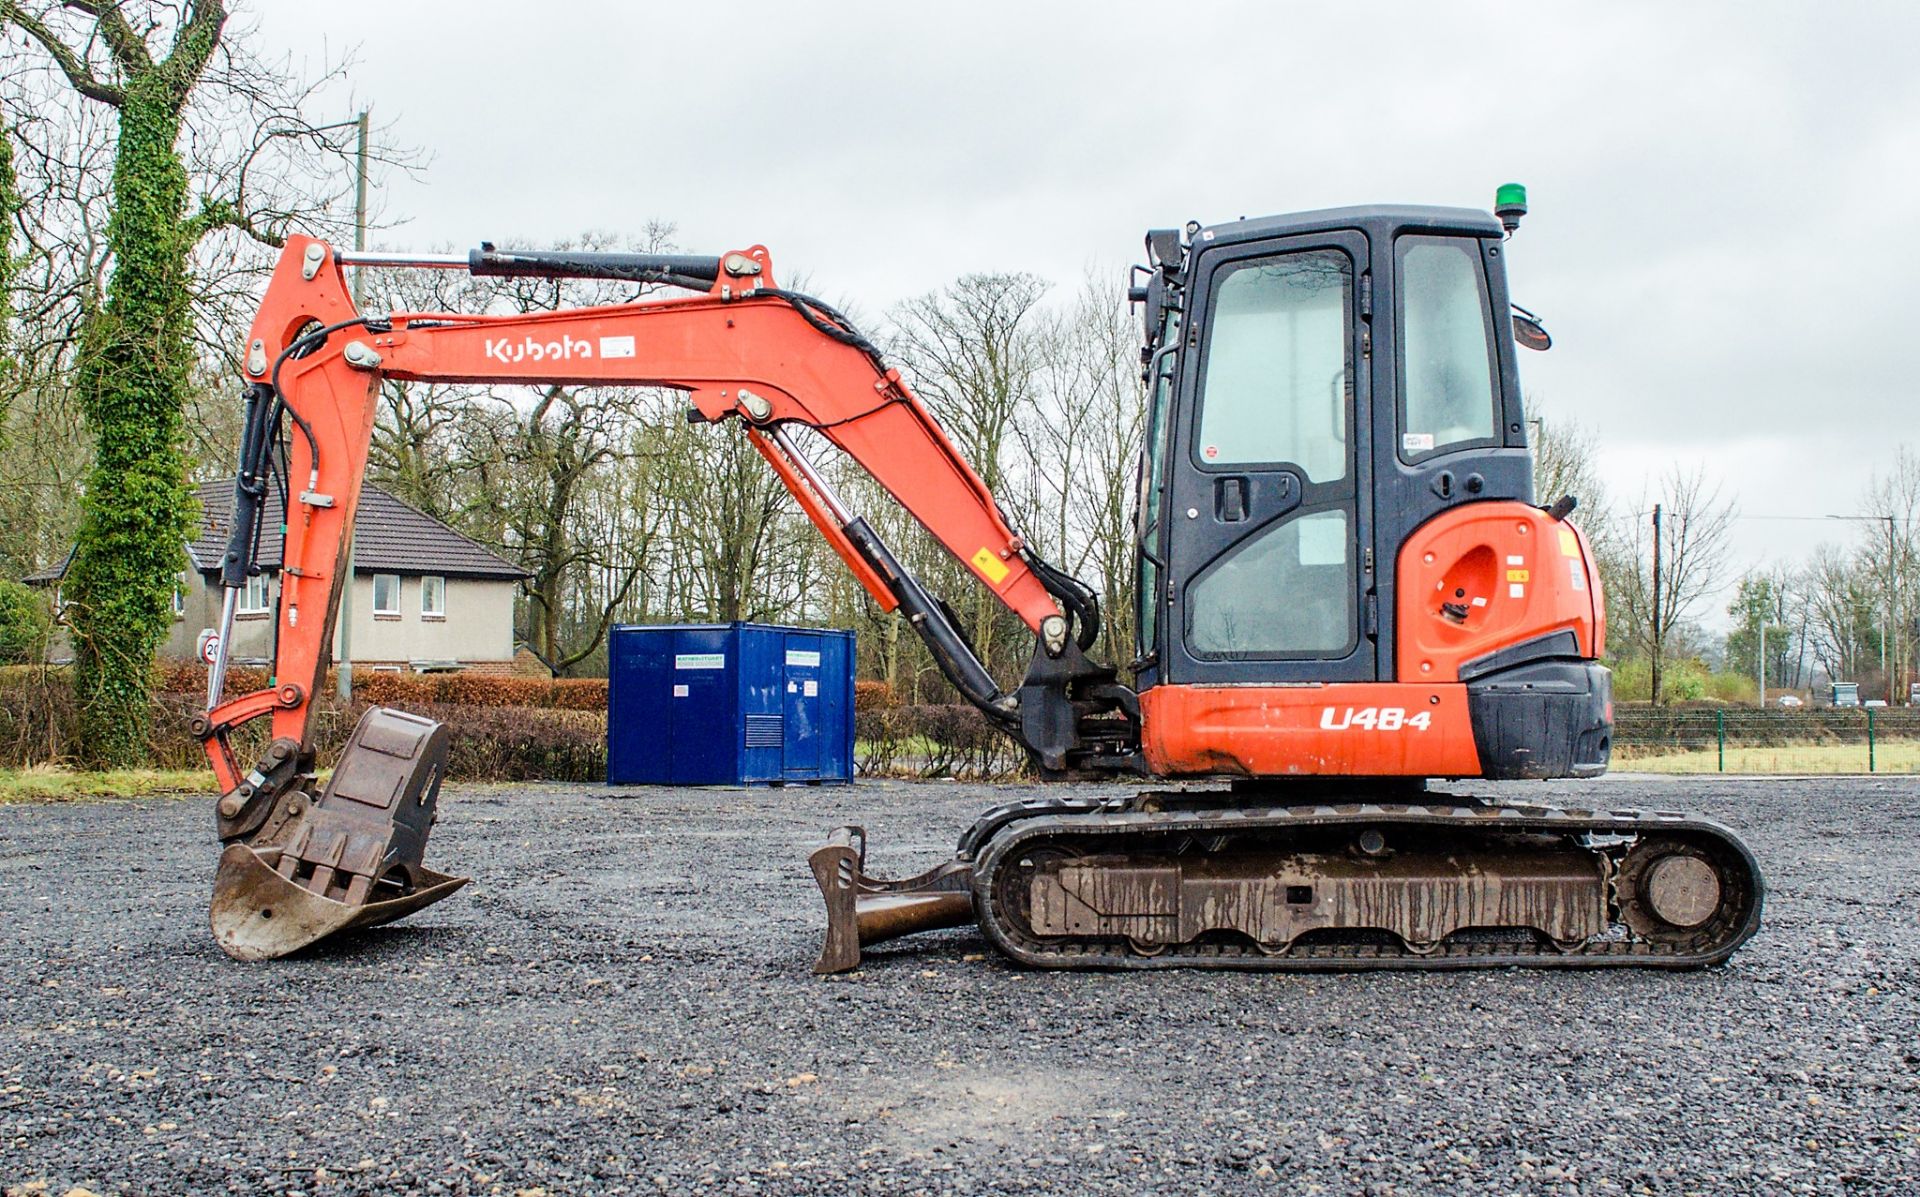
x: 729, y: 704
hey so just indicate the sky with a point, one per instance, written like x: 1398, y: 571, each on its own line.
x: 1723, y: 200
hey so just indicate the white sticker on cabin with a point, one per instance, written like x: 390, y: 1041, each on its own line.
x: 1517, y: 590
x: 680, y: 691
x: 796, y: 656
x: 616, y: 346
x: 1416, y: 442
x: 700, y: 660
x: 812, y: 689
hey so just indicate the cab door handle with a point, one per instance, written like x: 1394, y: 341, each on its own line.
x: 1230, y: 500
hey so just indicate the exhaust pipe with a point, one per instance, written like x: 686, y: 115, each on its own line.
x: 864, y: 910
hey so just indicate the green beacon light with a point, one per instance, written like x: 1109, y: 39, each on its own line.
x: 1510, y: 204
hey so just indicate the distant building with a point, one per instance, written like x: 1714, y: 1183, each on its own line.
x: 424, y: 597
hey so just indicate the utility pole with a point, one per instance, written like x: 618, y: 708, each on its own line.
x: 1656, y: 604
x: 344, y: 670
x: 1886, y: 619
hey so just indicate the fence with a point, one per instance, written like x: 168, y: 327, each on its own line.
x: 1736, y: 740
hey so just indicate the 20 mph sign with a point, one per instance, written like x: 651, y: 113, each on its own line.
x: 209, y: 645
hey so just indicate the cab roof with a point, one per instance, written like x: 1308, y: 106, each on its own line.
x: 1377, y: 220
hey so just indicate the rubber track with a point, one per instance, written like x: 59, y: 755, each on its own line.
x: 1002, y: 833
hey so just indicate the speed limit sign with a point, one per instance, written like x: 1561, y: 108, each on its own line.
x: 209, y: 645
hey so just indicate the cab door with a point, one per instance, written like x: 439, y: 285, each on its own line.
x: 1269, y: 558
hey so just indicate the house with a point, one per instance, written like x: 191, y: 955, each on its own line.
x: 424, y: 597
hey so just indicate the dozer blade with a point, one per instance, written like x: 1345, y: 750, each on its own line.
x: 864, y: 910
x: 351, y: 858
x: 259, y: 915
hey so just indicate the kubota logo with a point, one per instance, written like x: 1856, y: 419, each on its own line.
x: 505, y: 349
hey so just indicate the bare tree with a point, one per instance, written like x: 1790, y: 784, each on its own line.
x: 974, y: 351
x: 1890, y: 554
x: 1695, y: 525
x: 1081, y: 440
x: 1843, y: 614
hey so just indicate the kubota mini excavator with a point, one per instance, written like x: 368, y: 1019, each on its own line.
x: 1344, y: 589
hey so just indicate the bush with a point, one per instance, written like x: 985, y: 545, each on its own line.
x: 26, y: 621
x: 950, y: 740
x: 38, y: 718
x: 873, y: 696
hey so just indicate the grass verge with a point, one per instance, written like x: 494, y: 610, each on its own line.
x: 1899, y: 757
x: 45, y: 784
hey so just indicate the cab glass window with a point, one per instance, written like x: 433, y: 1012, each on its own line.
x: 1152, y: 479
x: 1447, y: 396
x: 1278, y: 366
x: 1284, y: 591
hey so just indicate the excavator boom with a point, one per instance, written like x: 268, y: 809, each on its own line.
x: 740, y: 349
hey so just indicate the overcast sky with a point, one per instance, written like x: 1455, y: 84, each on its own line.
x: 1723, y: 197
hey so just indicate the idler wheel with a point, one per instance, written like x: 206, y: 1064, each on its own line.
x: 1670, y: 892
x: 1682, y: 891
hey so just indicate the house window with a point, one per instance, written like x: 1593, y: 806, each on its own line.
x: 256, y: 595
x: 433, y: 597
x: 386, y: 595
x: 179, y: 602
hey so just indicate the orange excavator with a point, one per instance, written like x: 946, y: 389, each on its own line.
x: 1344, y: 589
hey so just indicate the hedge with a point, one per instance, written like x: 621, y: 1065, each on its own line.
x: 412, y: 689
x: 491, y: 742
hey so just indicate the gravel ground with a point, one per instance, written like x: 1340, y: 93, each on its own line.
x: 621, y: 1004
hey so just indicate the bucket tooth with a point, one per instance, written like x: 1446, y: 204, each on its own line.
x: 864, y: 910
x: 351, y: 858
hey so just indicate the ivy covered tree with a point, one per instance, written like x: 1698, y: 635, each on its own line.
x: 132, y: 376
x: 144, y: 273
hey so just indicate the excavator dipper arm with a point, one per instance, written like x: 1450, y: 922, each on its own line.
x: 741, y: 349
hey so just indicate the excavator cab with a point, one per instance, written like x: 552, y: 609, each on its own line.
x: 1337, y: 495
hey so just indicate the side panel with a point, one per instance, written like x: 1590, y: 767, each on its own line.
x: 1487, y: 577
x: 836, y: 692
x: 639, y: 706
x: 802, y: 669
x: 760, y: 733
x: 706, y: 708
x: 1349, y: 729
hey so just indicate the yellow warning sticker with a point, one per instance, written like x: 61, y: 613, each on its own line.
x: 1517, y: 575
x: 989, y: 564
x: 1569, y: 543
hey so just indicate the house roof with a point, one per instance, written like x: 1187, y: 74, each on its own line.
x: 389, y: 538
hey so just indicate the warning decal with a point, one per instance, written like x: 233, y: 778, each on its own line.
x: 990, y: 565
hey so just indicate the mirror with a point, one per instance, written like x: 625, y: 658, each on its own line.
x: 1164, y: 246
x: 1528, y: 330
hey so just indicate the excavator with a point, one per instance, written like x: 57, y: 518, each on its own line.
x: 1345, y: 590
